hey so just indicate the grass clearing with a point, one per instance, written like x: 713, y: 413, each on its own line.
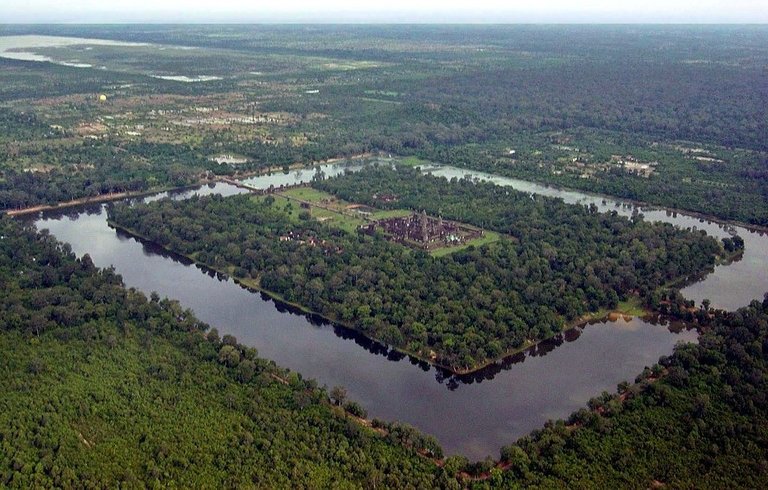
x: 390, y: 213
x: 291, y: 208
x: 308, y: 194
x: 487, y: 238
x: 632, y: 306
x: 337, y: 213
x: 337, y: 220
x: 413, y: 161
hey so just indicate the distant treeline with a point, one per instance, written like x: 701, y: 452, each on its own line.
x: 454, y: 93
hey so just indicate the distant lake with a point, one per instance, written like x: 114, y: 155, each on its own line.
x: 27, y: 48
x: 184, y: 78
x: 23, y: 47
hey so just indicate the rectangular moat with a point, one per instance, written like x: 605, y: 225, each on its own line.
x: 473, y: 417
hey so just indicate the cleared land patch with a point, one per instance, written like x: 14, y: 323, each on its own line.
x: 415, y: 230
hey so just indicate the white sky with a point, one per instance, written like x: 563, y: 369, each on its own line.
x: 493, y: 11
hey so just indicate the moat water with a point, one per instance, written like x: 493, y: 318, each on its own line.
x: 472, y: 415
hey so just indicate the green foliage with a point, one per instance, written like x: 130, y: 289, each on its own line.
x: 355, y: 409
x: 94, y: 168
x: 104, y: 388
x: 702, y: 424
x: 457, y: 94
x: 730, y: 186
x: 463, y: 309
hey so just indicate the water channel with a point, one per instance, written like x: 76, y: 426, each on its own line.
x: 473, y: 415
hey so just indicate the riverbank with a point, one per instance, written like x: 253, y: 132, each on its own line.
x: 625, y: 310
x: 429, y: 358
x: 649, y: 206
x: 115, y: 196
x: 254, y: 286
x: 459, y: 411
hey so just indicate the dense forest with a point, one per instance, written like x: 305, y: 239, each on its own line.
x: 107, y: 387
x: 558, y: 263
x: 24, y: 189
x: 59, y: 170
x: 452, y: 94
x: 545, y: 227
x: 704, y: 185
x: 104, y: 387
x: 703, y: 424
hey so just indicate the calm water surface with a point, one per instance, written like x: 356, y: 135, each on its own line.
x: 304, y: 175
x: 24, y: 47
x: 728, y: 287
x: 473, y: 416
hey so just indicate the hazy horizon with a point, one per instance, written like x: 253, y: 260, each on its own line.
x: 396, y: 12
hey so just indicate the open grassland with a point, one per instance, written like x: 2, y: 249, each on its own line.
x: 309, y: 194
x: 389, y: 213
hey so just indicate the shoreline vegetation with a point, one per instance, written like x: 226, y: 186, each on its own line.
x: 113, y: 386
x: 400, y: 160
x: 243, y: 248
x: 617, y: 199
x: 136, y: 350
x: 118, y: 196
x: 599, y: 408
x: 601, y: 315
x: 633, y: 307
x: 253, y: 284
x: 628, y: 396
x: 480, y: 471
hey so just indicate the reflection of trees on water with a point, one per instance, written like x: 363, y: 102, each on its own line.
x: 73, y: 213
x: 451, y: 380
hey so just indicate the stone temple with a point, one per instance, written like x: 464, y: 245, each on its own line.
x: 421, y: 231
